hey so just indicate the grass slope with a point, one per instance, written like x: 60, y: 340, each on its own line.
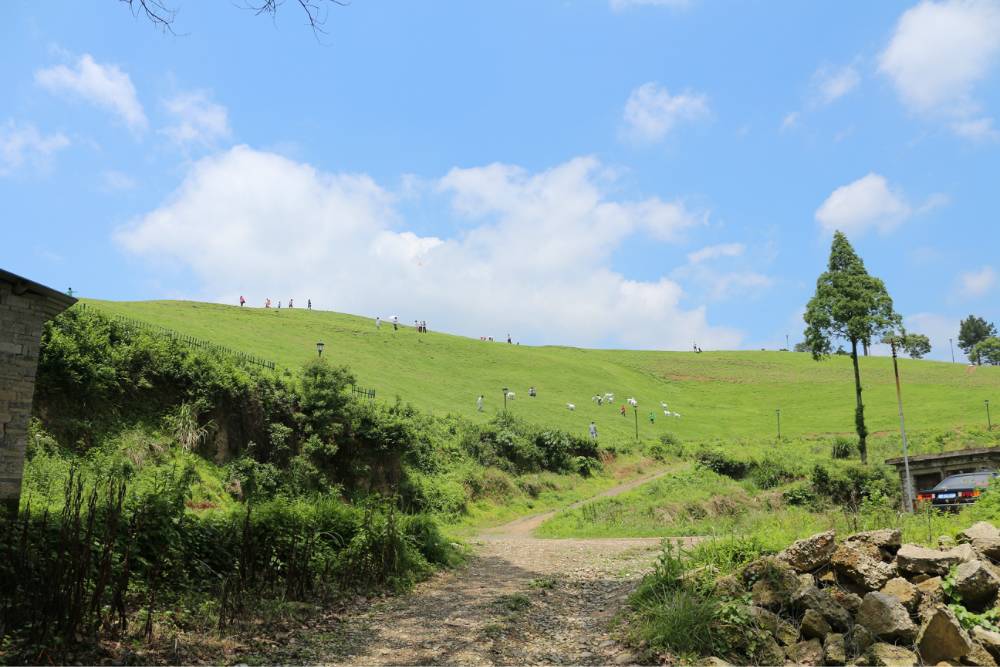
x: 720, y: 394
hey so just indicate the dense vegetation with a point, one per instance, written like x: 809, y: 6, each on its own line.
x: 166, y: 485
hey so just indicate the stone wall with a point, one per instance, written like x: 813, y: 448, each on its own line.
x: 24, y: 308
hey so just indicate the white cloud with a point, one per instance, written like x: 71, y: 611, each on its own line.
x: 939, y: 328
x: 533, y: 255
x: 620, y: 5
x: 790, y: 121
x: 24, y: 145
x: 831, y: 83
x: 939, y: 52
x: 197, y: 119
x: 714, y: 251
x: 977, y: 129
x: 113, y: 180
x: 105, y: 86
x: 862, y: 205
x: 978, y: 283
x: 651, y: 111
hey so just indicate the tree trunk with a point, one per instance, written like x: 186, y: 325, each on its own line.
x: 859, y: 411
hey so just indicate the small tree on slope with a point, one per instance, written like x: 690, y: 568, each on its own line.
x: 852, y: 305
x: 972, y: 331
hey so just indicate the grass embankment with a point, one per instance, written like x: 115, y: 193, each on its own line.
x: 720, y: 394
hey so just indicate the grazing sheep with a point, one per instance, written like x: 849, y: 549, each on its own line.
x: 570, y: 407
x: 511, y: 396
x: 663, y: 405
x: 609, y: 397
x: 634, y: 403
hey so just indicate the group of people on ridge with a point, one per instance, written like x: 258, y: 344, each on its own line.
x: 267, y: 303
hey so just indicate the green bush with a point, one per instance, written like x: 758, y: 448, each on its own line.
x: 850, y: 486
x: 723, y: 464
x: 843, y: 448
x: 769, y: 473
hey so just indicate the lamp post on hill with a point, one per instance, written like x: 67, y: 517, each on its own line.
x: 319, y: 348
x: 778, y: 415
x: 505, y: 399
x: 989, y: 422
x: 635, y: 409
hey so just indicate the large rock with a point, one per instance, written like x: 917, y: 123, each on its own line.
x: 931, y: 595
x: 914, y: 559
x: 814, y: 626
x: 810, y: 553
x: 768, y: 651
x: 857, y: 640
x: 823, y: 602
x: 979, y: 657
x: 886, y: 538
x: 779, y: 628
x: 988, y: 639
x: 984, y: 538
x: 773, y: 582
x: 965, y: 553
x: 890, y: 655
x: 942, y: 638
x: 846, y: 599
x: 857, y: 564
x: 834, y: 650
x: 809, y: 652
x: 976, y: 583
x: 886, y: 617
x: 904, y: 591
x: 729, y: 586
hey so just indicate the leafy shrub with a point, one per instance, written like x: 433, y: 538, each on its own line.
x: 723, y: 464
x: 769, y: 473
x: 851, y: 485
x: 799, y: 494
x: 843, y: 448
x: 490, y: 483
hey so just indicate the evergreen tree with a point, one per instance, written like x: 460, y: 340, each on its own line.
x: 851, y: 305
x: 972, y: 331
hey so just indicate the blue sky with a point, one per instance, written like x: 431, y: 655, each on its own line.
x: 635, y: 173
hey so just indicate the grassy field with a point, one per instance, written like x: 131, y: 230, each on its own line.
x: 726, y: 395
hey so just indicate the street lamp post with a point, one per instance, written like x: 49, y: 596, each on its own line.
x: 635, y: 408
x: 907, y: 487
x: 989, y: 422
x: 505, y: 399
x: 319, y: 348
x: 778, y: 414
x: 952, y: 346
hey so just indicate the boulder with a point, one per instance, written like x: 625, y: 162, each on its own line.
x: 945, y: 541
x: 814, y: 626
x: 976, y: 583
x: 886, y: 538
x: 834, y: 650
x: 886, y: 617
x: 823, y: 602
x: 964, y: 552
x: 809, y: 652
x: 931, y: 595
x: 913, y: 559
x: 984, y: 538
x: 988, y: 639
x: 777, y: 627
x: 857, y: 640
x: 942, y: 638
x: 846, y: 599
x: 810, y: 553
x: 904, y: 591
x: 881, y: 653
x: 855, y: 562
x: 979, y: 656
x: 773, y: 582
x: 768, y: 652
x: 729, y: 586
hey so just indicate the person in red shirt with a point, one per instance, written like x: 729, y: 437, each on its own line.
x: 242, y: 301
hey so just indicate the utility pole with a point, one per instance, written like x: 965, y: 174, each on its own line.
x: 907, y: 487
x: 989, y: 422
x: 505, y: 400
x: 952, y: 346
x: 778, y: 414
x: 787, y: 344
x: 635, y: 408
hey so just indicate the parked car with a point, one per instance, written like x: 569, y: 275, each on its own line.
x: 958, y: 489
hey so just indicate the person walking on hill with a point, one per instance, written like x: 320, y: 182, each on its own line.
x: 378, y: 322
x: 508, y: 339
x: 291, y: 303
x: 622, y: 410
x: 593, y: 431
x: 395, y: 323
x: 652, y: 418
x: 309, y: 304
x: 479, y: 403
x: 242, y: 301
x: 267, y: 302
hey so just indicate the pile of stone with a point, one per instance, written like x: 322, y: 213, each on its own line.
x: 871, y: 600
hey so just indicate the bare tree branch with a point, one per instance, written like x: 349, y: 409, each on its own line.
x: 159, y: 14
x: 163, y: 17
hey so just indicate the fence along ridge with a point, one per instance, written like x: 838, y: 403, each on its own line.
x: 244, y: 357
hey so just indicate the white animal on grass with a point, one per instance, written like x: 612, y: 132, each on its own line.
x: 663, y: 405
x: 668, y: 413
x: 634, y: 403
x: 596, y: 399
x: 511, y: 396
x: 609, y: 397
x: 570, y: 407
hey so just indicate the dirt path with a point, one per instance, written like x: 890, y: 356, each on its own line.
x: 519, y: 600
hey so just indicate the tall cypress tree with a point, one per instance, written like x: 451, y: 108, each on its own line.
x: 850, y: 305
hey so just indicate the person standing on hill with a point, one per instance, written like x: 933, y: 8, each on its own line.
x: 652, y: 418
x: 622, y: 410
x: 378, y: 322
x: 267, y: 302
x: 395, y: 323
x: 291, y: 303
x: 309, y: 304
x: 479, y: 403
x: 593, y: 431
x: 242, y: 301
x: 508, y: 339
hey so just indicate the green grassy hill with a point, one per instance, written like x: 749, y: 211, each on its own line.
x: 719, y: 394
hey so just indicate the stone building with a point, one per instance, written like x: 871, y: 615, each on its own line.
x: 24, y: 308
x: 926, y: 470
